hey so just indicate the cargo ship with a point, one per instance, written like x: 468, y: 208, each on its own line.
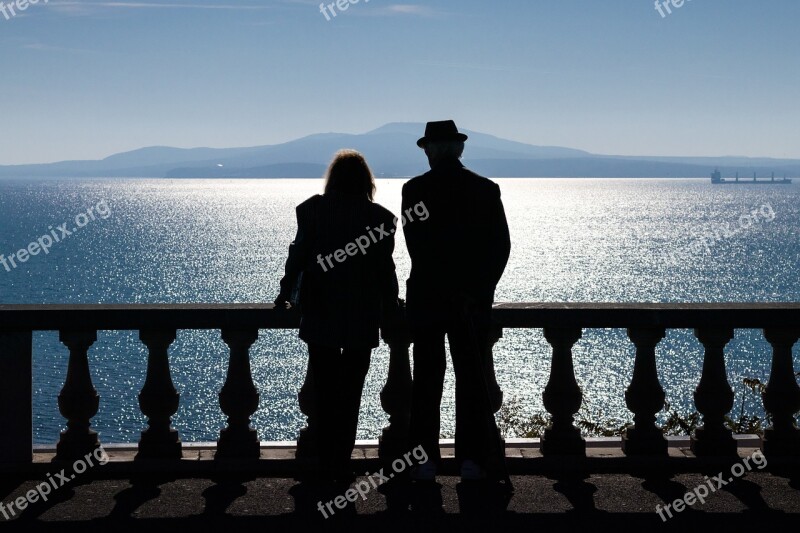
x: 717, y: 179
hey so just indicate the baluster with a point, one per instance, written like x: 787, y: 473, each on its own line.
x: 713, y: 396
x: 782, y: 397
x: 495, y: 392
x: 562, y: 396
x: 239, y: 399
x: 645, y: 396
x: 306, y: 398
x: 78, y: 401
x: 159, y: 400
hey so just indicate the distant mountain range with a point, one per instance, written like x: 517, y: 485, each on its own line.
x: 392, y: 152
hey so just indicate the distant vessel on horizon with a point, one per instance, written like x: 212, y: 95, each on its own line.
x: 717, y: 179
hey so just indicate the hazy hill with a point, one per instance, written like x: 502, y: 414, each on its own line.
x: 392, y: 152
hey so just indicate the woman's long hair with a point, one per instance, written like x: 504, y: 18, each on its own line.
x: 349, y: 173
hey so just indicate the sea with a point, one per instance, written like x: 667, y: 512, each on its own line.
x: 225, y: 241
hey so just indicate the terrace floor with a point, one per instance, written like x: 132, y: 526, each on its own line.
x: 606, y: 491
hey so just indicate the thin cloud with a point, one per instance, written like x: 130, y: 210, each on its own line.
x: 398, y: 10
x: 49, y: 48
x: 408, y: 9
x: 83, y: 6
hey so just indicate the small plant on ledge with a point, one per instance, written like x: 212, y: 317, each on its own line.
x: 512, y: 421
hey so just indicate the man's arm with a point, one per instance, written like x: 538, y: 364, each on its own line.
x: 421, y: 236
x: 500, y: 239
x: 410, y: 230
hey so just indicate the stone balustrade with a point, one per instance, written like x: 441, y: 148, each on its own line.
x: 240, y: 325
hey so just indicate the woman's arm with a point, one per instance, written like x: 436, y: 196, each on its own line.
x: 297, y: 260
x: 389, y: 288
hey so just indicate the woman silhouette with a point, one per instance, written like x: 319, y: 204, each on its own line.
x: 342, y: 260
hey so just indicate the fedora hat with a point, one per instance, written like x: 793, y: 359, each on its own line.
x: 444, y: 130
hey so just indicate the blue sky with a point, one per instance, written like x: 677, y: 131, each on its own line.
x: 85, y: 79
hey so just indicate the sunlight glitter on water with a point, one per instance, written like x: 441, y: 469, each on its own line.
x: 226, y: 241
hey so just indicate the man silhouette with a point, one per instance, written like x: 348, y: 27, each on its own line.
x: 457, y: 258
